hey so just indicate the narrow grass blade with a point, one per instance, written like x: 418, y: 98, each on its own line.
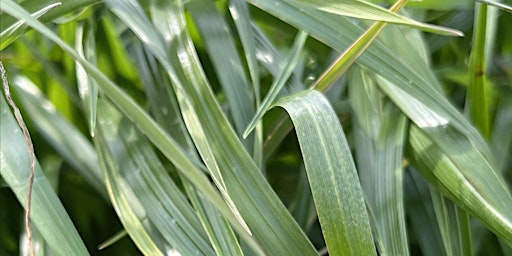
x: 380, y: 131
x: 127, y: 207
x: 10, y: 34
x: 351, y: 54
x: 85, y: 45
x: 165, y: 108
x: 365, y: 10
x: 501, y: 139
x: 119, y: 54
x: 478, y: 102
x: 221, y: 48
x: 422, y: 218
x: 332, y: 175
x: 242, y: 19
x: 289, y: 66
x: 164, y: 203
x: 33, y: 6
x: 47, y: 212
x: 445, y: 5
x: 230, y: 165
x: 271, y: 59
x: 453, y: 224
x: 72, y: 145
x: 499, y: 5
x: 303, y: 207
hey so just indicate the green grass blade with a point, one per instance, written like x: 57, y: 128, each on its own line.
x: 71, y: 145
x: 501, y: 139
x: 453, y: 224
x: 85, y: 45
x: 499, y: 5
x: 113, y: 38
x: 51, y: 165
x: 272, y: 60
x: 155, y: 133
x: 33, y: 6
x: 10, y: 34
x: 455, y: 167
x: 335, y: 71
x: 445, y: 5
x: 351, y: 54
x: 478, y: 101
x: 303, y: 207
x: 164, y: 107
x: 229, y: 163
x: 278, y: 84
x: 221, y: 48
x: 47, y: 212
x: 164, y: 203
x: 365, y: 10
x: 127, y: 207
x: 379, y: 140
x: 241, y: 17
x: 421, y: 214
x: 332, y: 175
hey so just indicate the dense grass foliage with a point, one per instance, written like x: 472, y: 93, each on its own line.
x: 258, y: 127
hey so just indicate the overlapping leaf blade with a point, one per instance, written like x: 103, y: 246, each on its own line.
x: 453, y: 224
x: 226, y: 62
x: 229, y: 163
x: 10, y: 34
x: 33, y: 6
x: 127, y: 206
x: 165, y: 108
x: 415, y: 91
x: 71, y: 145
x: 474, y: 185
x: 280, y: 81
x: 422, y: 218
x: 164, y: 204
x: 365, y: 10
x: 168, y: 147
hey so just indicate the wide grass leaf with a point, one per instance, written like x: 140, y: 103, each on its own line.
x: 332, y: 175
